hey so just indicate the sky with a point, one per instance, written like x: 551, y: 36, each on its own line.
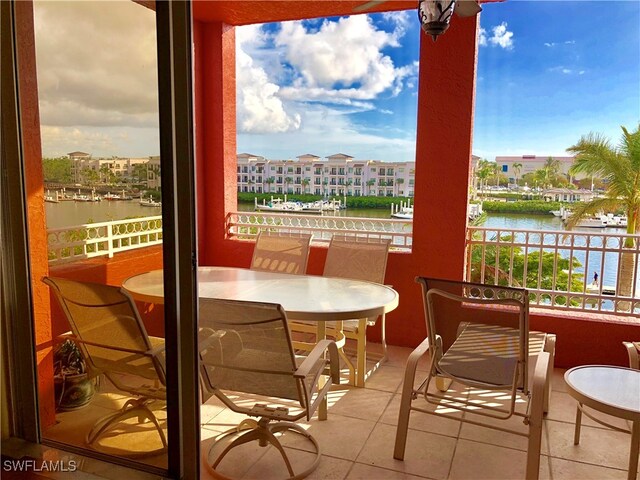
x: 548, y: 73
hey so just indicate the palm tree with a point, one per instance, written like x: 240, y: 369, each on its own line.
x: 620, y: 167
x: 483, y: 172
x: 287, y: 181
x: 551, y: 170
x: 517, y: 167
x: 305, y: 184
x: 370, y: 183
x: 270, y: 182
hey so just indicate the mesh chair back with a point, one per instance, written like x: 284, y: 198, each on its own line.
x: 283, y: 253
x: 357, y: 258
x: 104, y: 315
x: 247, y: 348
x: 493, y: 351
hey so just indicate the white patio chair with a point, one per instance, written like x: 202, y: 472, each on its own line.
x: 358, y: 259
x: 281, y: 252
x: 478, y: 337
x: 247, y: 350
x: 107, y: 327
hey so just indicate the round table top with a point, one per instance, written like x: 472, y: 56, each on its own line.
x: 304, y: 297
x: 609, y: 389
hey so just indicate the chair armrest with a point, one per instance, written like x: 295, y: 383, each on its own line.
x: 309, y: 362
x: 212, y: 335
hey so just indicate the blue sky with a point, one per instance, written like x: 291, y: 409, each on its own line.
x: 548, y: 72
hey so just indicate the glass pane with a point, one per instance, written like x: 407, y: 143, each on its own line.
x: 98, y: 100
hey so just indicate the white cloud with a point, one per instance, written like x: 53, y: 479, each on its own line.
x: 259, y: 109
x: 565, y: 70
x: 500, y: 37
x: 326, y: 131
x: 343, y: 60
x: 553, y: 44
x: 97, y: 77
x: 96, y: 63
x: 482, y: 37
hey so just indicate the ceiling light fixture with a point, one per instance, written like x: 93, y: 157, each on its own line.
x: 435, y: 16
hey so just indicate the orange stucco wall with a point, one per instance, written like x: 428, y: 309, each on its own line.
x: 32, y: 155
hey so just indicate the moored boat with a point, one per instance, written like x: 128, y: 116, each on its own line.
x: 149, y: 202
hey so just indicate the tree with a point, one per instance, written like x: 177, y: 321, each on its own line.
x: 508, y: 265
x: 305, y: 184
x: 105, y: 173
x: 370, y: 183
x: 57, y: 169
x: 287, y: 181
x: 139, y: 173
x: 619, y: 166
x: 517, y: 167
x: 483, y: 172
x: 270, y: 181
x: 91, y: 176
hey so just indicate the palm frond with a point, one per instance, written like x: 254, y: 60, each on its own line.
x: 630, y: 145
x: 585, y: 209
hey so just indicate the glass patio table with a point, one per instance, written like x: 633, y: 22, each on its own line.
x: 304, y: 297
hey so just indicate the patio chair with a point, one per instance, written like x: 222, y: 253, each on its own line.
x: 633, y: 349
x: 358, y: 259
x: 281, y: 253
x: 107, y: 328
x: 246, y: 349
x: 478, y: 337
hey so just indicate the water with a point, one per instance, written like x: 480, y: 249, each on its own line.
x: 589, y: 265
x: 67, y: 214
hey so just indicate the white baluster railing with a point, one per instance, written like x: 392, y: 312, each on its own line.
x: 246, y: 225
x: 558, y: 267
x: 105, y: 238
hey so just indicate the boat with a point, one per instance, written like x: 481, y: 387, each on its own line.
x: 149, y: 202
x: 593, y: 222
x: 404, y: 214
x: 111, y: 196
x: 404, y: 211
x: 278, y: 205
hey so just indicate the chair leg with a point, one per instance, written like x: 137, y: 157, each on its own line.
x: 549, y: 347
x: 535, y: 419
x: 407, y: 397
x: 361, y: 356
x: 132, y: 408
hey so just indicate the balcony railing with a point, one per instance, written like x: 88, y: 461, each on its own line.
x: 105, y: 238
x: 558, y: 267
x: 246, y: 225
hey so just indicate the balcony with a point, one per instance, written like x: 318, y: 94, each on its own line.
x: 357, y: 438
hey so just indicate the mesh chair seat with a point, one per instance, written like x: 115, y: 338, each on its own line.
x: 483, y: 354
x: 246, y: 348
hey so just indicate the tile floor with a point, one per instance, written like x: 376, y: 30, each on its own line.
x: 358, y: 437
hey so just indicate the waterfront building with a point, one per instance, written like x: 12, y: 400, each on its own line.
x: 335, y: 175
x: 568, y: 195
x: 115, y: 169
x: 531, y: 163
